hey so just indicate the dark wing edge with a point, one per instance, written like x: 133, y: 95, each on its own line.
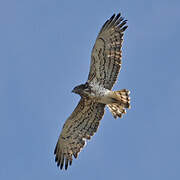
x: 107, y: 54
x: 114, y: 22
x: 81, y: 125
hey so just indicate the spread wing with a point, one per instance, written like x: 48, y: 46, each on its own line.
x: 106, y: 53
x: 81, y: 125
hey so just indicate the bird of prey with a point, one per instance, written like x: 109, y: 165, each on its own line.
x: 96, y: 93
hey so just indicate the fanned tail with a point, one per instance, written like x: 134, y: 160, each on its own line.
x: 121, y: 101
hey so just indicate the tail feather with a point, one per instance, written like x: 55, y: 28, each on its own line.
x: 121, y: 100
x: 122, y: 97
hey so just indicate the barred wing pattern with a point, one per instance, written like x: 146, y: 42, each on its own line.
x: 106, y: 54
x: 81, y: 125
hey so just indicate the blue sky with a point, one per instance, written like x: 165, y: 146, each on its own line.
x: 45, y: 52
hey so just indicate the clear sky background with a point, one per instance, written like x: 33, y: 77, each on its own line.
x: 45, y: 48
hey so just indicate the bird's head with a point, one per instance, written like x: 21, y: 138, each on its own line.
x: 82, y: 90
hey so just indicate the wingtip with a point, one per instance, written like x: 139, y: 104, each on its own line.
x: 66, y: 164
x: 56, y: 159
x: 117, y: 16
x: 124, y: 28
x: 112, y: 17
x: 55, y: 150
x: 70, y: 162
x: 61, y: 166
x: 58, y: 164
x: 75, y: 155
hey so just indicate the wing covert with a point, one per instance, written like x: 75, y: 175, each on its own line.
x: 81, y: 125
x: 107, y: 54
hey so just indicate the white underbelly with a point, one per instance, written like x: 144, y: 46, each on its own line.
x: 101, y: 94
x: 103, y: 98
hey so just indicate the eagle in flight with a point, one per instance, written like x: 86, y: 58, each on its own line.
x: 96, y: 93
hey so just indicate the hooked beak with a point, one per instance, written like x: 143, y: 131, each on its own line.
x: 73, y: 91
